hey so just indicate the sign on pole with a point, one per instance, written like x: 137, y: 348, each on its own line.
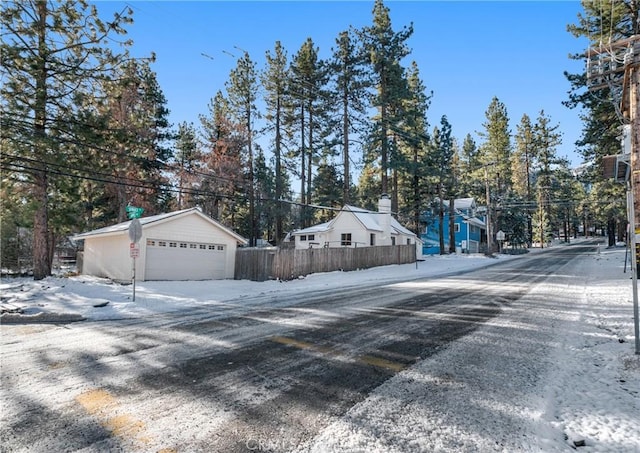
x: 134, y: 212
x: 135, y: 230
x: 134, y: 250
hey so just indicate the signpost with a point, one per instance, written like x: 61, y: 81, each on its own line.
x: 135, y: 234
x: 500, y: 236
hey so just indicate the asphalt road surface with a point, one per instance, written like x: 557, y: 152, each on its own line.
x: 242, y: 380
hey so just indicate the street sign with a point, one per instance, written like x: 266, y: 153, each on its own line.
x: 134, y: 250
x: 135, y: 230
x: 134, y: 212
x: 500, y: 235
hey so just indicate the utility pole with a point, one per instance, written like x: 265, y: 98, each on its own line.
x: 617, y: 66
x: 488, y: 196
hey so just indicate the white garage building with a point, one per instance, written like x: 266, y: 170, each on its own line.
x: 181, y: 245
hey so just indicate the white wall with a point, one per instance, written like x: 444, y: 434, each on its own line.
x: 108, y: 257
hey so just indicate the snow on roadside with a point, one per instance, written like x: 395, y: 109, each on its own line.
x: 96, y: 299
x: 541, y: 377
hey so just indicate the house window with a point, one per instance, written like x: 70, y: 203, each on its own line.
x: 408, y: 241
x: 193, y: 246
x: 173, y: 244
x: 393, y: 241
x: 203, y: 247
x: 303, y: 237
x: 311, y: 237
x: 212, y: 247
x: 162, y: 244
x: 456, y: 227
x: 151, y: 242
x: 345, y: 239
x: 221, y: 247
x: 372, y: 239
x: 183, y: 245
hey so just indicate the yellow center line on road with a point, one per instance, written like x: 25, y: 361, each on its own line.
x: 366, y: 359
x: 382, y: 363
x: 303, y: 345
x: 104, y: 407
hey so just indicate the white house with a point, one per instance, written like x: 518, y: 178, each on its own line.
x: 181, y: 245
x: 357, y: 227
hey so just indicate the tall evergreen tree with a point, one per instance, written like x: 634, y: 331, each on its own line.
x: 442, y: 160
x: 223, y: 180
x: 523, y: 158
x: 139, y: 133
x: 546, y: 140
x: 275, y: 80
x: 495, y: 158
x: 415, y: 142
x: 188, y: 165
x: 386, y: 49
x: 350, y: 84
x: 308, y: 89
x: 472, y: 185
x: 53, y: 53
x: 242, y: 90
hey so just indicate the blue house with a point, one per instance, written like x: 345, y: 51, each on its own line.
x: 470, y: 228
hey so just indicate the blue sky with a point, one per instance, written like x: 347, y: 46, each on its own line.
x: 467, y: 52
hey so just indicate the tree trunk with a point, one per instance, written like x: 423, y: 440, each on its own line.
x: 441, y: 220
x: 41, y: 263
x: 452, y: 226
x: 345, y: 149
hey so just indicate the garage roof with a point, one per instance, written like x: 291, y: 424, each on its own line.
x: 145, y: 221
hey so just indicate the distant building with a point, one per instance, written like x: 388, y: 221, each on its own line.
x: 470, y: 228
x: 357, y: 227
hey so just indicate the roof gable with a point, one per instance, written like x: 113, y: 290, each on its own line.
x: 158, y: 219
x: 370, y: 221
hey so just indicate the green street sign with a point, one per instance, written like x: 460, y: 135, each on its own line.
x: 134, y: 212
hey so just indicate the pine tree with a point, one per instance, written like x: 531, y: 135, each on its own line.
x: 350, y: 84
x: 138, y: 134
x: 52, y: 55
x: 523, y: 158
x: 414, y: 146
x: 472, y: 185
x: 275, y: 80
x: 188, y: 165
x: 242, y: 90
x: 495, y: 157
x: 223, y: 178
x: 441, y: 164
x: 386, y: 49
x: 266, y: 211
x: 327, y: 190
x: 309, y: 80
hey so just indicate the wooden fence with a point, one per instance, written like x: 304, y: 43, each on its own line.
x: 260, y: 264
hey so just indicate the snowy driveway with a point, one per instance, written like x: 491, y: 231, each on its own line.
x: 461, y: 363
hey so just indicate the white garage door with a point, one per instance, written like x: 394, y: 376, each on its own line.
x: 174, y: 260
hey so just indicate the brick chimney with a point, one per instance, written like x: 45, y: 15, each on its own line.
x: 384, y: 208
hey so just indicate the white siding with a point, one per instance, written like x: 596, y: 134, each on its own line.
x: 108, y: 257
x: 347, y: 223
